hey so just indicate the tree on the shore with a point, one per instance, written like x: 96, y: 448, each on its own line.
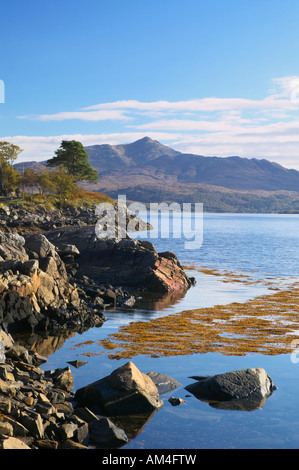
x: 41, y: 180
x: 65, y: 185
x: 73, y: 157
x: 8, y: 175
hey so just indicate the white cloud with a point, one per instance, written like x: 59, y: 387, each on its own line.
x: 101, y: 115
x: 282, y: 97
x: 262, y: 128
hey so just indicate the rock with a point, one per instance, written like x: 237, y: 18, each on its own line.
x: 6, y: 429
x: 164, y: 383
x: 36, y: 294
x: 5, y: 405
x: 70, y: 444
x: 17, y: 313
x: 29, y: 267
x: 39, y: 244
x: 77, y: 363
x: 127, y: 302
x: 9, y: 388
x: 66, y: 249
x: 82, y: 433
x: 175, y: 401
x: 33, y: 422
x: 123, y: 262
x: 105, y: 434
x: 109, y: 297
x: 18, y: 429
x: 12, y: 247
x: 63, y: 378
x: 46, y: 444
x: 251, y: 385
x: 13, y: 443
x: 6, y: 339
x: 85, y: 414
x: 67, y: 430
x: 125, y: 391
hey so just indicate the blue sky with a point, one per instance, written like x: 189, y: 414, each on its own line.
x: 217, y: 77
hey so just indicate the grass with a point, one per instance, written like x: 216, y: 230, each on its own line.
x: 51, y: 202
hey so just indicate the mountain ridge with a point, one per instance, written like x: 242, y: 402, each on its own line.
x: 148, y: 171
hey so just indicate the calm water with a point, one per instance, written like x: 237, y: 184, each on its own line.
x: 266, y: 246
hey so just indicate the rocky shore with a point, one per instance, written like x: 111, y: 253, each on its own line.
x: 39, y: 410
x: 56, y: 276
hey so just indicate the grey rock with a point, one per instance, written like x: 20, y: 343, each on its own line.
x: 163, y: 382
x: 245, y: 384
x: 67, y: 249
x: 105, y: 434
x: 77, y: 363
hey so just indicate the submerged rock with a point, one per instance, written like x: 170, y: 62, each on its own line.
x: 164, y: 383
x: 240, y: 389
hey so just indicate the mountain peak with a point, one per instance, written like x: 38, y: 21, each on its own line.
x: 145, y: 140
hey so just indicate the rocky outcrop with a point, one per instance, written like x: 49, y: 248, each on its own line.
x: 39, y: 218
x: 123, y: 262
x: 35, y: 292
x: 125, y: 391
x: 245, y: 389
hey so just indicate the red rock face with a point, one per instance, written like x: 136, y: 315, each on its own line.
x: 170, y: 275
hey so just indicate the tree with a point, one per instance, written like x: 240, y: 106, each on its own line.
x: 45, y: 182
x: 72, y: 156
x: 28, y: 179
x: 65, y: 185
x: 40, y: 180
x: 8, y: 176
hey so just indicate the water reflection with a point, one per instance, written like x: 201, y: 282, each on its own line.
x: 46, y: 345
x: 132, y: 424
x: 239, y: 405
x: 42, y: 344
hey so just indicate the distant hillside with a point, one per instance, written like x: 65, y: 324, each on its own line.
x: 148, y: 171
x: 148, y: 158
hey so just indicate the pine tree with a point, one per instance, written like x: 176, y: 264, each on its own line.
x: 72, y: 156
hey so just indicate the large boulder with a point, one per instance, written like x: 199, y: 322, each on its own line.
x: 125, y: 391
x: 249, y: 387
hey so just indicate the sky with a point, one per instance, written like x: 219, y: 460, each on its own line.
x: 213, y: 77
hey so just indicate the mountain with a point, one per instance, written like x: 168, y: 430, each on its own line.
x: 148, y: 171
x: 138, y: 153
x: 150, y: 160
